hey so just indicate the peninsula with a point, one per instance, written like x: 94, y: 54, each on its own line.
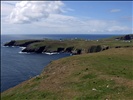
x: 74, y: 46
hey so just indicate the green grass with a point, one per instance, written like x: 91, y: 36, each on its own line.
x: 31, y: 95
x: 95, y: 76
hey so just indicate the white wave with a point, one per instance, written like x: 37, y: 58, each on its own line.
x: 23, y: 52
x: 9, y: 46
x: 51, y: 53
x: 5, y: 46
x: 22, y: 48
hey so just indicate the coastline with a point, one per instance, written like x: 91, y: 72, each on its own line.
x: 61, y: 74
x: 115, y: 46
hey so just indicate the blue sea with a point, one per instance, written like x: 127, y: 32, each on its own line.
x: 17, y: 67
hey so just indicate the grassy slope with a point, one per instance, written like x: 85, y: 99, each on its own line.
x: 103, y: 75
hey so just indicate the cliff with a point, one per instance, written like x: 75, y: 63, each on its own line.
x: 105, y: 75
x: 74, y: 46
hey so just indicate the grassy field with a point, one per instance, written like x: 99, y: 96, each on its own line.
x: 106, y: 75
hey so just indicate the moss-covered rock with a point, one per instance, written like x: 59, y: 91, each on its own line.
x: 97, y: 48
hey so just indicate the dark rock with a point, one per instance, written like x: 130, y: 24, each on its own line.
x: 11, y: 43
x: 40, y: 49
x: 117, y: 38
x: 97, y: 48
x: 92, y: 49
x: 36, y: 50
x: 76, y: 52
x: 87, y: 69
x: 126, y: 46
x: 118, y: 47
x: 79, y: 51
x: 126, y: 37
x: 60, y: 49
x: 107, y: 47
x: 27, y: 49
x: 69, y: 49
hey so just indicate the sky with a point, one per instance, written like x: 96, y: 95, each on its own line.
x: 66, y: 17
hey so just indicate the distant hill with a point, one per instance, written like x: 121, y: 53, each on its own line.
x: 126, y: 37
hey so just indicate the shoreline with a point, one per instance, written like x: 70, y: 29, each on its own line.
x: 67, y: 72
x: 116, y: 46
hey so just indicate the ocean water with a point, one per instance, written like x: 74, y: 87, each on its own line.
x: 17, y: 67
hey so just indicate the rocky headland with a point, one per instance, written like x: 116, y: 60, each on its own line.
x: 74, y: 46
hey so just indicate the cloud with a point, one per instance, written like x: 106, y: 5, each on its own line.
x: 31, y: 11
x: 60, y: 24
x: 115, y: 10
x: 117, y: 28
x: 63, y: 24
x: 6, y: 8
x: 47, y: 17
x: 129, y: 18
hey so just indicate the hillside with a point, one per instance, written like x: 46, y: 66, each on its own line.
x: 106, y: 75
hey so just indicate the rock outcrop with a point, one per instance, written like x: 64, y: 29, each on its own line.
x: 27, y: 49
x: 11, y: 43
x: 97, y: 48
x: 40, y: 49
x: 69, y: 49
x: 36, y: 50
x: 126, y: 37
x: 60, y: 49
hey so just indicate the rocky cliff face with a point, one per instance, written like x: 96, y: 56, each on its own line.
x: 97, y: 48
x: 11, y: 43
x: 36, y: 50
